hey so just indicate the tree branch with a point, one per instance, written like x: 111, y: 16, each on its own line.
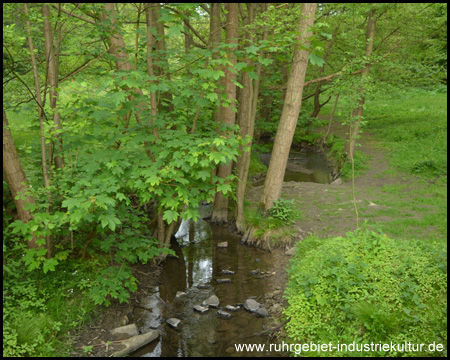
x: 70, y: 13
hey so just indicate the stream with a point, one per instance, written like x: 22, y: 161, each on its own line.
x: 191, y: 278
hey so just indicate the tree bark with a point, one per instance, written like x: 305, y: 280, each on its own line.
x: 160, y: 56
x: 215, y: 38
x: 291, y: 110
x: 349, y: 147
x: 317, y: 104
x: 38, y: 99
x: 52, y: 76
x: 220, y: 209
x: 247, y: 124
x: 15, y: 176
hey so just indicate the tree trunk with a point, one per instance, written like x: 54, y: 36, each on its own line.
x: 349, y: 147
x: 291, y: 110
x: 317, y: 104
x: 15, y: 176
x: 160, y: 56
x: 247, y: 124
x: 52, y: 76
x: 215, y: 38
x: 220, y: 209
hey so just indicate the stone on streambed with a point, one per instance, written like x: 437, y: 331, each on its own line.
x: 262, y: 312
x: 201, y: 309
x: 223, y: 281
x: 203, y: 286
x: 228, y: 272
x: 251, y: 305
x: 174, y: 322
x: 180, y: 294
x: 224, y: 314
x: 136, y: 342
x: 232, y: 308
x: 212, y: 301
x: 222, y: 244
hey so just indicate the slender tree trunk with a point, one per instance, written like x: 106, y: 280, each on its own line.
x: 38, y: 100
x: 15, y: 176
x: 220, y: 209
x: 291, y: 110
x: 349, y: 147
x: 317, y: 104
x: 331, y: 120
x: 150, y: 66
x: 247, y: 128
x: 215, y: 38
x: 160, y: 63
x: 52, y: 76
x: 46, y: 170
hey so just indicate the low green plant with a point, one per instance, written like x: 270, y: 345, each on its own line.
x: 367, y: 287
x: 284, y: 210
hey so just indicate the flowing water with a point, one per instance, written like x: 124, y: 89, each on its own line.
x: 304, y: 166
x: 195, y: 272
x: 201, y: 262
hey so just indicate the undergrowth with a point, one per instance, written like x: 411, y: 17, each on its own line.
x: 368, y: 288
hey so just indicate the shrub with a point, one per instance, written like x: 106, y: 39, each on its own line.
x: 284, y: 210
x: 367, y: 288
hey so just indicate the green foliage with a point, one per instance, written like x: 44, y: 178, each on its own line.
x: 36, y: 316
x: 277, y: 224
x: 367, y: 287
x: 256, y: 166
x: 284, y: 210
x: 113, y: 282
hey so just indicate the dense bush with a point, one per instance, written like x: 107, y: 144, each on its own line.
x: 367, y: 288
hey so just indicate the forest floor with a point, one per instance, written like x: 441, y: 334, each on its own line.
x: 383, y: 196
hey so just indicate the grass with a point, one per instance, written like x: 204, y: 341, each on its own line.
x: 414, y: 130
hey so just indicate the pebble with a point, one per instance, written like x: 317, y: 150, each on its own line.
x: 251, y: 305
x: 201, y: 309
x: 212, y: 301
x: 203, y: 286
x: 223, y: 281
x: 174, y: 322
x: 228, y: 272
x: 222, y: 244
x: 262, y: 312
x: 232, y: 308
x: 224, y: 314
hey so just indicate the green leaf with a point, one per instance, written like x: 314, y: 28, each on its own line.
x: 170, y: 215
x: 49, y: 264
x: 252, y: 49
x: 316, y: 60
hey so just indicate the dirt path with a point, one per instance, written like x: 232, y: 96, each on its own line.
x: 328, y: 210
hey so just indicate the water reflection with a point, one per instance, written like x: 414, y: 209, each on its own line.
x: 201, y: 262
x: 305, y: 166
